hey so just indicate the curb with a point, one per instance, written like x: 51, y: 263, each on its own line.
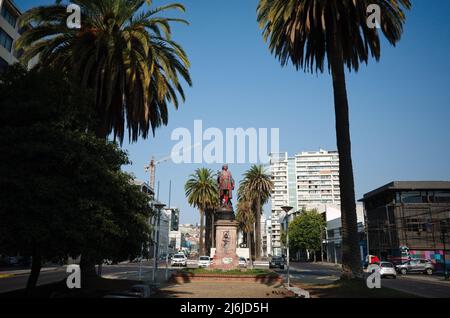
x: 9, y: 275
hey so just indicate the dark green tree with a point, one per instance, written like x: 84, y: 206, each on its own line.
x: 62, y: 191
x: 306, y: 231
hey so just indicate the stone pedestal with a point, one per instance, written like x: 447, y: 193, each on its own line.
x: 226, y: 240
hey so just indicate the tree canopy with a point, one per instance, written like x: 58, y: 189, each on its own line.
x: 306, y: 231
x: 123, y: 51
x: 62, y: 191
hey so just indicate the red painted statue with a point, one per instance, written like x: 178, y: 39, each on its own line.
x: 226, y: 186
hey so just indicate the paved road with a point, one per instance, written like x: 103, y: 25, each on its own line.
x: 120, y: 271
x: 417, y: 284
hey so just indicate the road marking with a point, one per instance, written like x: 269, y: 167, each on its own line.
x: 6, y: 275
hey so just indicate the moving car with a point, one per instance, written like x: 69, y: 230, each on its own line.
x: 204, y: 261
x: 276, y: 261
x: 179, y: 260
x: 242, y: 262
x: 424, y: 266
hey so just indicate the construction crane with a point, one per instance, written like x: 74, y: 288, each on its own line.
x: 153, y: 163
x: 152, y: 167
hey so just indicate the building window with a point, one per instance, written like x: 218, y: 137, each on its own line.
x: 442, y: 196
x: 8, y: 16
x: 5, y: 40
x: 412, y: 197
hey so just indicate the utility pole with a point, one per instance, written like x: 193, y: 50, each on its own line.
x: 158, y: 206
x: 444, y: 229
x: 167, y: 247
x: 286, y: 209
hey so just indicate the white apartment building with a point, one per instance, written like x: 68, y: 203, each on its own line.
x: 308, y: 178
x: 9, y: 33
x: 267, y: 238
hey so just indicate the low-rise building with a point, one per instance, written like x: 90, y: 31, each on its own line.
x: 409, y: 219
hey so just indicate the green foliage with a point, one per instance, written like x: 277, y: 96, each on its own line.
x: 305, y: 32
x: 256, y: 185
x: 255, y: 190
x: 62, y: 190
x: 306, y: 231
x: 201, y: 190
x: 123, y: 52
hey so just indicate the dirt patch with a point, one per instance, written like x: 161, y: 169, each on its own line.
x: 223, y: 290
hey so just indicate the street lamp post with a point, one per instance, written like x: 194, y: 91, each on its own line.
x: 286, y: 209
x: 158, y: 207
x: 444, y: 229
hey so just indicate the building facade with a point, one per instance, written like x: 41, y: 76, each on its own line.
x: 308, y: 178
x: 174, y: 229
x: 333, y: 237
x: 190, y: 237
x: 267, y: 238
x: 164, y: 230
x: 409, y: 219
x: 9, y: 33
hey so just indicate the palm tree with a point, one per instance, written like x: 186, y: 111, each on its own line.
x: 123, y: 52
x: 256, y: 188
x: 246, y: 219
x: 202, y: 193
x: 306, y: 32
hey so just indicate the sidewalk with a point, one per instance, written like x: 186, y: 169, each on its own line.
x: 20, y: 272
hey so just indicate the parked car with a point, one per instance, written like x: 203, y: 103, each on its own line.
x: 424, y: 266
x: 11, y: 260
x: 387, y: 269
x: 242, y: 262
x: 179, y: 260
x: 276, y: 261
x: 204, y: 261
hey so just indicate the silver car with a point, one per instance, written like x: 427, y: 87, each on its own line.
x: 424, y: 266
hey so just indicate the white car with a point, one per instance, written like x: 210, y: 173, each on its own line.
x: 242, y: 262
x: 387, y: 269
x: 178, y: 260
x: 204, y: 261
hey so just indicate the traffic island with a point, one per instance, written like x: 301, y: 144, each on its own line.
x: 236, y: 275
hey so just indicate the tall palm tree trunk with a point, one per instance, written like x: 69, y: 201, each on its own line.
x: 213, y: 234
x: 351, y: 266
x: 258, y: 229
x: 201, y: 247
x: 207, y: 230
x: 36, y: 265
x: 249, y: 242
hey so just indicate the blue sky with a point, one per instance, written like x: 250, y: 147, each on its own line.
x: 399, y: 107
